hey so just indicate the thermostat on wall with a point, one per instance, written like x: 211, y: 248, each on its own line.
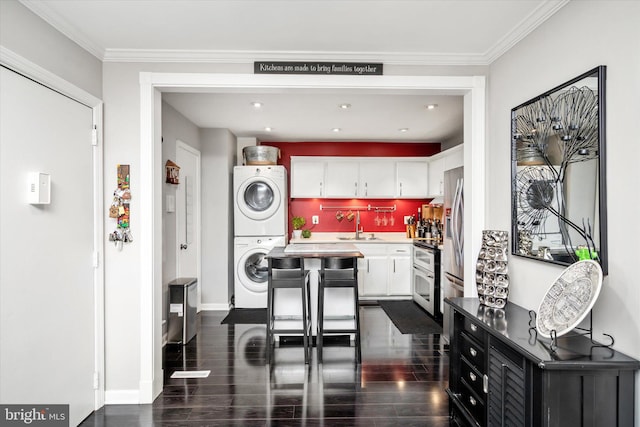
x: 39, y: 188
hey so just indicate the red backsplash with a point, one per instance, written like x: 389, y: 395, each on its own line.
x: 327, y: 217
x: 328, y: 222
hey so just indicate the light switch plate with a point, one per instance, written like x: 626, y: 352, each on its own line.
x: 39, y: 188
x: 315, y: 219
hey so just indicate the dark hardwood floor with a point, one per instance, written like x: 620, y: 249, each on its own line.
x: 401, y: 381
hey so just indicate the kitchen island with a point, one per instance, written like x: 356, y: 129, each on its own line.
x: 384, y: 271
x: 338, y: 302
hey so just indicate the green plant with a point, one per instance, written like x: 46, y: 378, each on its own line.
x: 297, y: 222
x: 306, y: 233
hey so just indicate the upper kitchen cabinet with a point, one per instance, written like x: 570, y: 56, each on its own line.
x: 377, y: 178
x: 412, y: 179
x: 441, y: 162
x: 307, y: 177
x: 359, y: 177
x: 342, y: 178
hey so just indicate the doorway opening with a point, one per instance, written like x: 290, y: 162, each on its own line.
x: 472, y: 88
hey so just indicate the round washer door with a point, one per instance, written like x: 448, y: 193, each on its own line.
x: 252, y: 270
x: 258, y: 198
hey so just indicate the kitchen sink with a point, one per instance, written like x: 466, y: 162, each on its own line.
x: 360, y: 238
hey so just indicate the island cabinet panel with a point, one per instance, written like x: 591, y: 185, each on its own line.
x: 503, y: 374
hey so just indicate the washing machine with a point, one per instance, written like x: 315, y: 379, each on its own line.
x: 260, y: 200
x: 251, y: 269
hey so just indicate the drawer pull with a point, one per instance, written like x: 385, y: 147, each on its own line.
x: 472, y: 401
x: 485, y: 384
x: 474, y: 327
x: 473, y: 351
x: 472, y: 376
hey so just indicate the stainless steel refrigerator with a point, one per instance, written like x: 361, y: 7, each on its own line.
x: 453, y: 244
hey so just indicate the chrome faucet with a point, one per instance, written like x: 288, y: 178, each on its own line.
x: 358, y: 228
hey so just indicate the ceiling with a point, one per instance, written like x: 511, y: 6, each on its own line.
x: 407, y: 32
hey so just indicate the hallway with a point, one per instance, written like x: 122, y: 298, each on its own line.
x: 400, y: 382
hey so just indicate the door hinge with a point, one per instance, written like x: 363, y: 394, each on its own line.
x: 96, y: 258
x: 94, y: 135
x: 96, y: 381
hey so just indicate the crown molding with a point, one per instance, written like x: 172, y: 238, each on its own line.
x: 523, y: 28
x: 228, y: 56
x: 45, y: 12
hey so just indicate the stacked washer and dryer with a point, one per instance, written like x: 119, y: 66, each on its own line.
x: 260, y: 224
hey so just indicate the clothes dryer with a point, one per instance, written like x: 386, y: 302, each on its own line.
x: 260, y: 200
x: 251, y: 275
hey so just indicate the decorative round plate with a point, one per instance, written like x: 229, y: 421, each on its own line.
x: 569, y: 299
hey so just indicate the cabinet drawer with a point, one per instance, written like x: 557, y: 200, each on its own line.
x: 472, y: 377
x: 473, y: 404
x: 473, y: 352
x: 473, y: 329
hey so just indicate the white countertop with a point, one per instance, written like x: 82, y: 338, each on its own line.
x: 327, y: 237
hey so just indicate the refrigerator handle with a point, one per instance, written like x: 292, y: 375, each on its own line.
x: 454, y: 223
x: 460, y: 228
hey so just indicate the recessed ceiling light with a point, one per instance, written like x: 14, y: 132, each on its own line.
x: 268, y: 129
x: 432, y: 106
x: 345, y: 106
x: 403, y: 130
x: 336, y: 130
x: 256, y: 104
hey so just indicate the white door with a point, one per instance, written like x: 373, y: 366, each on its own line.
x: 188, y: 214
x: 47, y: 307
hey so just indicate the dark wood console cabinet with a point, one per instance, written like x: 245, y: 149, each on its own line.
x: 503, y: 374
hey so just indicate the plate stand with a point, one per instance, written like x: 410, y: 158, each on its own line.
x: 533, y: 332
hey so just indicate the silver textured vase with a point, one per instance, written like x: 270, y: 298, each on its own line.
x: 491, y: 269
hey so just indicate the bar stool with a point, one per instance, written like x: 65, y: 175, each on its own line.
x: 288, y: 273
x: 338, y: 272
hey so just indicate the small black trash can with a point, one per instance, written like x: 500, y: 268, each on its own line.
x: 183, y: 309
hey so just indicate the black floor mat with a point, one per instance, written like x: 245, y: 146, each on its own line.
x: 410, y: 318
x: 246, y: 316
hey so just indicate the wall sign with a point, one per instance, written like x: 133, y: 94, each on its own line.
x: 314, y: 67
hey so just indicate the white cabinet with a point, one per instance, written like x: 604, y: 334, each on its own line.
x: 377, y: 178
x: 441, y: 162
x: 342, y: 178
x: 412, y: 179
x: 372, y: 270
x: 307, y: 177
x: 436, y: 177
x: 359, y: 177
x: 384, y: 271
x: 400, y: 270
x: 454, y: 157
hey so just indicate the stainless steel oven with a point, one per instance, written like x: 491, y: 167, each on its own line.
x: 426, y: 278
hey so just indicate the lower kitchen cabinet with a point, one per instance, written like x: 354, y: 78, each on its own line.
x: 385, y: 270
x: 503, y: 374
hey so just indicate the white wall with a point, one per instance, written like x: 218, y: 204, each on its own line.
x: 28, y: 35
x: 218, y: 149
x: 174, y: 127
x: 581, y: 36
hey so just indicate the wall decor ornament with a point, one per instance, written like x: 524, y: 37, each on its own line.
x: 491, y: 269
x: 558, y: 173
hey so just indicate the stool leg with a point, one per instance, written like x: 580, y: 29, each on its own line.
x: 320, y: 320
x: 269, y: 321
x: 357, y: 322
x: 305, y: 332
x: 309, y: 322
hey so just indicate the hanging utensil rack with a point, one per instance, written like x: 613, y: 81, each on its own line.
x: 359, y: 208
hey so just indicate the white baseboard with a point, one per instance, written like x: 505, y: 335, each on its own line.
x: 214, y: 307
x: 121, y: 397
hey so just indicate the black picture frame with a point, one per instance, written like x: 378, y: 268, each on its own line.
x: 557, y: 138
